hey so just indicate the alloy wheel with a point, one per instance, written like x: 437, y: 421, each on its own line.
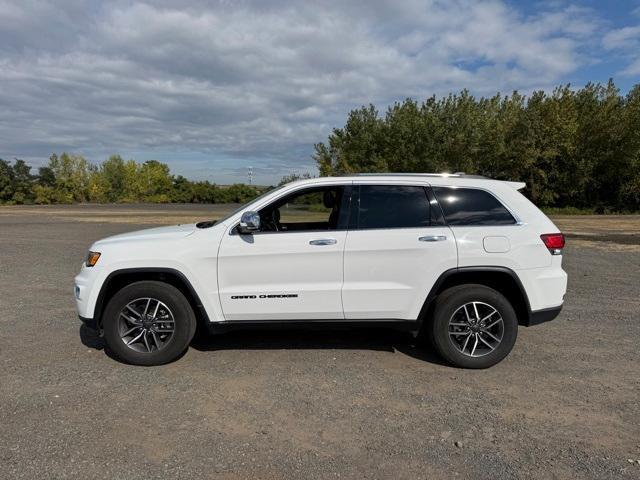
x: 476, y: 329
x: 146, y: 325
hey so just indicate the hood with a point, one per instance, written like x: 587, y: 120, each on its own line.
x: 160, y: 233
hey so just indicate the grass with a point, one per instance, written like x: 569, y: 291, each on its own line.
x: 581, y: 211
x: 567, y: 211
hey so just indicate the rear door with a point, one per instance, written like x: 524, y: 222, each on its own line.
x: 396, y: 248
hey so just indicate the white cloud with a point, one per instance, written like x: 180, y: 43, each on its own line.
x: 625, y: 42
x: 626, y: 38
x: 255, y: 79
x: 633, y: 68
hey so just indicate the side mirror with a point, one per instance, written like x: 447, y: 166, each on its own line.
x: 249, y: 223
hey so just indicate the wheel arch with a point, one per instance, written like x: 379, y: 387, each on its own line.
x: 119, y: 279
x: 502, y: 279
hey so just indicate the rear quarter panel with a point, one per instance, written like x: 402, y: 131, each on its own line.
x: 525, y: 248
x: 540, y: 272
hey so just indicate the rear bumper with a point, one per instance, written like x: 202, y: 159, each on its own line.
x: 545, y: 287
x: 545, y: 315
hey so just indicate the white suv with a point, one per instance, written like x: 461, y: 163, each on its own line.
x: 460, y: 259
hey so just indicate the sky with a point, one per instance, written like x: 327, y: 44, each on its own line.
x: 214, y: 87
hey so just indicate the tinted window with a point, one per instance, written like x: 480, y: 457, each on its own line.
x: 467, y: 206
x: 391, y: 206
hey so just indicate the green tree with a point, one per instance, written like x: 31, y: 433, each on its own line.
x: 43, y: 194
x: 355, y: 147
x: 22, y: 182
x: 72, y: 177
x: 46, y: 177
x: 629, y: 193
x: 114, y: 173
x: 98, y: 187
x: 238, y: 193
x: 131, y: 189
x: 157, y: 182
x: 573, y: 147
x: 294, y: 177
x: 7, y: 181
x: 182, y: 190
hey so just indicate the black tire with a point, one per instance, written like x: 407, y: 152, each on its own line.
x: 184, y: 327
x: 450, y: 301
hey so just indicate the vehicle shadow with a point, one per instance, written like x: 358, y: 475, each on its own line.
x: 90, y: 338
x: 377, y: 339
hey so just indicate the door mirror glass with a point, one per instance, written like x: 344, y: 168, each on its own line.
x: 250, y: 222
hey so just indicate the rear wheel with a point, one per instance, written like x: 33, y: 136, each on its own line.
x: 473, y: 326
x: 148, y: 323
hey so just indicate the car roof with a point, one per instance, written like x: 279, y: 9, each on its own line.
x: 444, y: 179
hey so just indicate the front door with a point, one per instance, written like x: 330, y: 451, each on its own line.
x: 292, y: 268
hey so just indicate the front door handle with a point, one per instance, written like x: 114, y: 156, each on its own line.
x: 323, y: 241
x: 433, y: 238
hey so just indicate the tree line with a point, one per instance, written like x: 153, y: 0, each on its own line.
x: 72, y: 179
x: 573, y: 148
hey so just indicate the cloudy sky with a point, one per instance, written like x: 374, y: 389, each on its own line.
x: 211, y: 87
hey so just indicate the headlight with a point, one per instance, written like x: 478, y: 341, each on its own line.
x: 92, y: 258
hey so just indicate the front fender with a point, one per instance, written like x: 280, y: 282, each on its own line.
x: 112, y: 280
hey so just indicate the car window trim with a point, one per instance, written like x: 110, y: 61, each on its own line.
x: 354, y: 201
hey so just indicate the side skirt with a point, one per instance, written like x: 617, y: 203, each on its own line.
x: 403, y: 325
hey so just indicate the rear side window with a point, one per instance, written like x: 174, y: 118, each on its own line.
x: 469, y: 206
x: 393, y: 206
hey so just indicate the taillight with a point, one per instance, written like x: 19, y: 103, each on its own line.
x: 554, y: 242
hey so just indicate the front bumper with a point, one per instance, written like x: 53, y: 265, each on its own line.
x: 84, y: 290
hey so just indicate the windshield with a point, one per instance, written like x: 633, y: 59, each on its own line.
x: 259, y: 197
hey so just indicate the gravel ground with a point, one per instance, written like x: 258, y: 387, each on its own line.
x: 348, y: 404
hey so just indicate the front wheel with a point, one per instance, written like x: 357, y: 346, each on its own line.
x: 148, y: 323
x: 473, y: 326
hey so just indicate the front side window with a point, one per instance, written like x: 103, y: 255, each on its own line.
x: 309, y: 209
x: 393, y: 206
x: 469, y: 206
x: 251, y: 202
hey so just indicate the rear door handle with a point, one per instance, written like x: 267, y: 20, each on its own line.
x: 323, y: 241
x: 433, y: 238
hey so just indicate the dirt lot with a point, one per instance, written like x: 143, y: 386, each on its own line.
x: 564, y: 404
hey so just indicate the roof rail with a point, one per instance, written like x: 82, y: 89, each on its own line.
x: 441, y: 175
